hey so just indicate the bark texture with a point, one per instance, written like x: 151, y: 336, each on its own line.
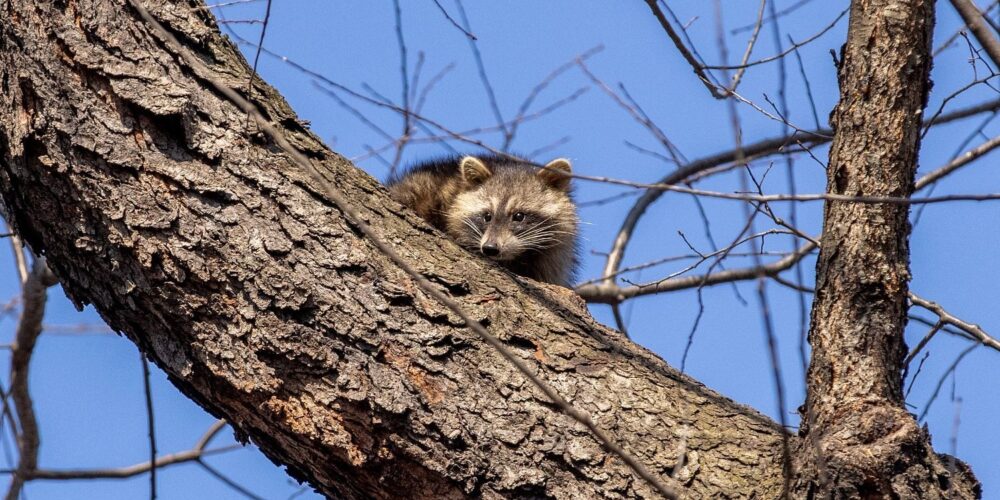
x: 200, y: 241
x: 872, y: 447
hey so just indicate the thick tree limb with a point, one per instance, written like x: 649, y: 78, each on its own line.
x: 212, y: 250
x: 872, y: 446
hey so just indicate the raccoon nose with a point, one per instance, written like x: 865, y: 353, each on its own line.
x: 490, y: 250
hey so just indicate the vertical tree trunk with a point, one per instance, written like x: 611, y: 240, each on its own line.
x: 855, y: 416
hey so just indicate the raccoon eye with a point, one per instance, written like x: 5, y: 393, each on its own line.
x: 487, y: 216
x: 518, y: 217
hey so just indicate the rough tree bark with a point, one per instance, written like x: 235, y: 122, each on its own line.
x: 855, y: 413
x: 200, y: 241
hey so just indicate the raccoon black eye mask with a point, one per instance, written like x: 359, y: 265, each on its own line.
x: 511, y: 211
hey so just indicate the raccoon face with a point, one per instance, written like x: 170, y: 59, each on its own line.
x: 513, y: 209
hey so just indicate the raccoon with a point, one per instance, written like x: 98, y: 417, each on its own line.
x: 511, y: 211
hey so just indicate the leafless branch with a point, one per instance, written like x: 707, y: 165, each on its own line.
x: 923, y: 342
x: 758, y: 149
x: 786, y: 51
x: 947, y: 318
x: 771, y: 198
x: 696, y: 66
x: 773, y: 15
x: 227, y: 480
x: 28, y: 329
x: 453, y: 22
x: 150, y: 423
x: 537, y: 89
x: 199, y: 451
x: 750, y: 45
x: 957, y: 163
x: 937, y: 388
x: 610, y: 293
x: 481, y: 68
x: 974, y: 20
x: 20, y: 262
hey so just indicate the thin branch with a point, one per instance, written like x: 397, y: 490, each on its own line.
x: 786, y: 51
x: 770, y: 198
x: 481, y: 68
x: 542, y: 85
x: 452, y: 21
x: 947, y: 318
x: 610, y: 293
x: 616, y: 311
x: 151, y: 425
x: 772, y: 16
x: 20, y: 262
x: 758, y: 149
x: 404, y: 76
x: 334, y: 195
x: 920, y: 345
x: 957, y: 163
x: 28, y: 330
x: 228, y: 481
x: 199, y: 451
x: 260, y: 44
x: 937, y: 388
x: 750, y: 45
x: 130, y: 471
x: 974, y: 20
x: 696, y: 66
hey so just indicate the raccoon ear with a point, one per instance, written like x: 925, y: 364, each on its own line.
x: 473, y: 170
x: 556, y: 173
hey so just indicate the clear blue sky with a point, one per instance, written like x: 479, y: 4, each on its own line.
x: 88, y: 388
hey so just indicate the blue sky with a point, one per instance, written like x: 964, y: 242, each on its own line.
x: 88, y: 388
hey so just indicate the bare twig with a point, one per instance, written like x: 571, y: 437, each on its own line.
x: 957, y: 163
x: 750, y: 45
x: 260, y: 43
x: 20, y: 261
x: 481, y: 68
x: 786, y: 51
x: 28, y: 329
x: 696, y: 66
x: 228, y: 481
x: 151, y: 425
x: 197, y: 453
x: 453, y: 22
x: 920, y: 345
x: 773, y: 15
x: 974, y: 20
x: 404, y: 76
x: 937, y: 388
x: 759, y: 148
x: 610, y: 293
x: 947, y: 318
x: 537, y: 89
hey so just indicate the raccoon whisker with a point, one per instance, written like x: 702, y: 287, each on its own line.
x: 541, y: 236
x: 475, y: 230
x: 545, y: 229
x: 552, y: 233
x: 539, y: 244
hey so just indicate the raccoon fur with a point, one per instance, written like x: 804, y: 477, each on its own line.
x: 511, y: 211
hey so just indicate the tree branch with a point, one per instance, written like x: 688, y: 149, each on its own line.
x: 974, y: 20
x: 268, y: 300
x: 28, y: 329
